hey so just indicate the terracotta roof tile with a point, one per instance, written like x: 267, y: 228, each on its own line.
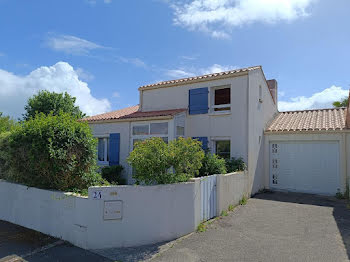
x: 198, y: 78
x: 309, y: 120
x: 132, y: 113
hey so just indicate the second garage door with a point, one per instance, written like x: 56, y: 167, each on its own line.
x: 311, y: 167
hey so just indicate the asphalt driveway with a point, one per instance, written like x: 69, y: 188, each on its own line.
x: 272, y: 227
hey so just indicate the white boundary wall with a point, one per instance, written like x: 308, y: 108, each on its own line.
x: 116, y: 216
x: 230, y: 189
x: 150, y: 214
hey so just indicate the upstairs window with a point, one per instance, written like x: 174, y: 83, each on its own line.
x: 221, y: 99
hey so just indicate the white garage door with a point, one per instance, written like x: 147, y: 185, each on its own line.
x: 311, y: 167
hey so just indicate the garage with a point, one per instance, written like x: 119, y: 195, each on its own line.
x: 307, y: 151
x: 307, y: 166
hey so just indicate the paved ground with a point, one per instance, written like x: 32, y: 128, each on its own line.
x: 21, y: 244
x: 272, y: 227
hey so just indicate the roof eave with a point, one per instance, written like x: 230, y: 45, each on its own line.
x: 286, y: 132
x: 198, y: 80
x: 135, y: 119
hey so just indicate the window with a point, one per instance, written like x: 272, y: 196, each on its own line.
x: 180, y: 131
x: 221, y: 100
x: 140, y: 130
x: 159, y: 128
x: 102, y: 150
x: 223, y: 148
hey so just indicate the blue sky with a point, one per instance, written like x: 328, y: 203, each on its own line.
x: 101, y: 51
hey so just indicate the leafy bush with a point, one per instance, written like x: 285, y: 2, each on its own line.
x: 235, y: 164
x: 186, y: 156
x: 51, y: 103
x: 152, y: 160
x: 53, y: 152
x: 212, y: 164
x: 4, y: 155
x: 113, y: 174
x: 6, y: 123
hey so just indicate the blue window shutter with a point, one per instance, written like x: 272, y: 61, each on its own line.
x: 198, y: 101
x: 114, y: 148
x: 204, y: 141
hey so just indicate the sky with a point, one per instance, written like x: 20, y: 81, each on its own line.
x: 101, y: 51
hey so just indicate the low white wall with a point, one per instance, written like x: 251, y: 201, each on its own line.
x: 230, y: 189
x: 149, y: 214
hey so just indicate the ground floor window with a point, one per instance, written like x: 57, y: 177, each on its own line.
x: 103, y: 148
x: 223, y: 148
x: 143, y: 131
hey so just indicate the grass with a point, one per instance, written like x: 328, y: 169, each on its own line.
x: 224, y: 213
x: 202, y: 227
x: 243, y: 201
x: 231, y: 208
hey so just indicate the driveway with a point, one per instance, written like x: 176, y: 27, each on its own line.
x: 22, y: 244
x: 272, y: 227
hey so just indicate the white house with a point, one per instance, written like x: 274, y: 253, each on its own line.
x: 234, y: 114
x: 227, y: 111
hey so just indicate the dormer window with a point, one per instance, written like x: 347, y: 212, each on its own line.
x: 221, y: 99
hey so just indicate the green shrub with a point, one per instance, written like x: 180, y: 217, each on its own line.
x: 113, y: 174
x: 152, y: 160
x: 53, y: 152
x: 4, y: 155
x: 6, y: 123
x: 186, y: 156
x: 235, y: 164
x: 212, y: 164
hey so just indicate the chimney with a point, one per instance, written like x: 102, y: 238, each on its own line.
x: 272, y: 84
x: 347, y: 121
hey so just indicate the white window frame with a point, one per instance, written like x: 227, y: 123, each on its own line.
x: 105, y: 138
x: 149, y: 131
x: 212, y: 101
x: 213, y: 141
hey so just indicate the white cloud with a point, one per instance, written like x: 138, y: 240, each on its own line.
x: 61, y: 77
x: 187, y: 72
x: 323, y: 99
x: 134, y: 61
x: 186, y: 57
x: 71, y: 44
x: 84, y: 75
x: 116, y: 94
x: 107, y: 1
x: 2, y: 54
x: 218, y: 17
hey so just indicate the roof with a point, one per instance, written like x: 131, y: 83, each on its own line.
x: 309, y: 120
x: 189, y: 80
x: 132, y: 113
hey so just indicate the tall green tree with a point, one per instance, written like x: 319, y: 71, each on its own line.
x: 6, y: 123
x: 51, y: 103
x: 342, y: 103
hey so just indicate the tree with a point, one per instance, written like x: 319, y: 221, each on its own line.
x: 50, y: 102
x: 342, y: 103
x: 6, y: 123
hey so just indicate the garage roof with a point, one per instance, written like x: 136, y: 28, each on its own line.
x: 309, y: 120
